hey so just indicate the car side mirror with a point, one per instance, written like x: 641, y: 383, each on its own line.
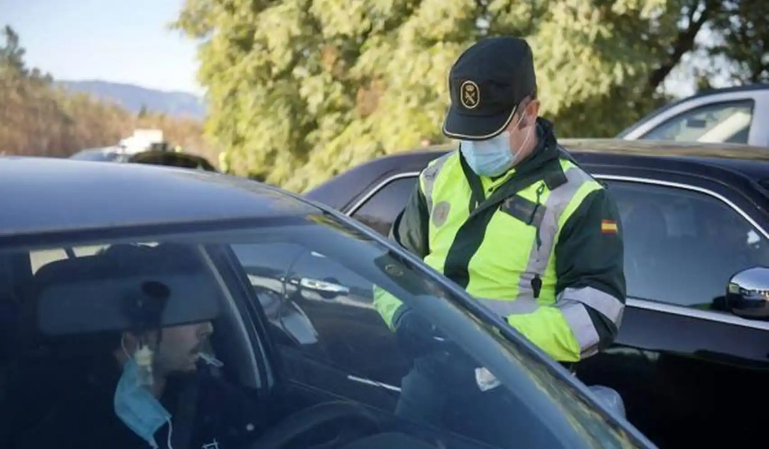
x: 747, y: 294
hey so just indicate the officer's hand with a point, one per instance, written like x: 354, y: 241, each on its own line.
x: 417, y: 336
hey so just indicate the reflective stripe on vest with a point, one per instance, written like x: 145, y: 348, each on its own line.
x: 427, y: 179
x: 503, y: 266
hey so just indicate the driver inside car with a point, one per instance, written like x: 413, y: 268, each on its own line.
x: 149, y: 387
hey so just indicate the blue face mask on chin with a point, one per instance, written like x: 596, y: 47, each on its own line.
x: 488, y: 157
x: 137, y: 407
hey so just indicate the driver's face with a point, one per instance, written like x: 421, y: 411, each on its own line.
x: 180, y: 347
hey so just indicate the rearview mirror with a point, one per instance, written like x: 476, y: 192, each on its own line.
x: 747, y: 294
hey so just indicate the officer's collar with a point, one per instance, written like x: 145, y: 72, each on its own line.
x: 546, y: 148
x: 545, y: 151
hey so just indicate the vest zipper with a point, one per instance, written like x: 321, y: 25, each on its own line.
x: 536, y: 282
x: 540, y: 190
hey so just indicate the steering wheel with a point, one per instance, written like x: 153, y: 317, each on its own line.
x: 355, y: 421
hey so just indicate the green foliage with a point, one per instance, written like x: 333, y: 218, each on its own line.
x: 300, y: 90
x: 744, y: 28
x: 11, y: 53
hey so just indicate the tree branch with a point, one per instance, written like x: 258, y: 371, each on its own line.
x: 684, y: 42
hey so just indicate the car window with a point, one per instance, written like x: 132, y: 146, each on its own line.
x: 84, y: 311
x: 64, y: 310
x: 44, y: 257
x: 682, y: 246
x: 323, y: 310
x: 318, y: 293
x: 727, y: 122
x: 379, y: 211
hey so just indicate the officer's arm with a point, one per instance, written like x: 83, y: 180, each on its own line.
x: 411, y: 226
x: 590, y: 268
x: 590, y: 287
x: 410, y: 231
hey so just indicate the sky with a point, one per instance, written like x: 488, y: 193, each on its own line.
x: 124, y: 41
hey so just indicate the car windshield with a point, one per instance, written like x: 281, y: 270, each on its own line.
x: 287, y: 312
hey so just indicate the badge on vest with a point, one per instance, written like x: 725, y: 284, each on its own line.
x: 441, y: 213
x: 527, y: 211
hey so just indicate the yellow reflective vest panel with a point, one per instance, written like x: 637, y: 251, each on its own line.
x: 566, y: 297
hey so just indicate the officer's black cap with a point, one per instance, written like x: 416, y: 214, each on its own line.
x: 487, y: 83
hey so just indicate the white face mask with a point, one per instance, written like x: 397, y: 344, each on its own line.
x: 494, y: 156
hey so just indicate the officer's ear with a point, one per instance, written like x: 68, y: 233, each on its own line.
x: 532, y: 112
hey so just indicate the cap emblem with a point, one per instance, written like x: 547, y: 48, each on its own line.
x: 469, y: 95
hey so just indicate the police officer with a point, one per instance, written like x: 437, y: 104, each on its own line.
x: 510, y: 216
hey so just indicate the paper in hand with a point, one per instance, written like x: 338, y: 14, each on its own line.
x: 485, y: 380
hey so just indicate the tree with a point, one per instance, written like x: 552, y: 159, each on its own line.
x: 743, y: 26
x: 300, y: 90
x: 11, y: 53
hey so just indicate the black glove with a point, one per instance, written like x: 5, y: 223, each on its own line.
x: 436, y: 356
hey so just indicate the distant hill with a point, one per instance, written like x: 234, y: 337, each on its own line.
x: 134, y: 97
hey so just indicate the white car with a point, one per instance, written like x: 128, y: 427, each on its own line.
x: 731, y: 115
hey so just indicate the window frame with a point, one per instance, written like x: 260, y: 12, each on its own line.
x: 704, y: 105
x: 377, y: 188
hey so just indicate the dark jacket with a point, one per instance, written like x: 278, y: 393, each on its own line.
x: 226, y: 417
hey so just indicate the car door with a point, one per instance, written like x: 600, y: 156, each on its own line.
x: 688, y: 370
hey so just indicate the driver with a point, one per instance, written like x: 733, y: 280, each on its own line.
x: 149, y: 387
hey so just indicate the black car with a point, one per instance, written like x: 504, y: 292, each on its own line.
x: 690, y: 361
x: 266, y: 269
x: 152, y: 156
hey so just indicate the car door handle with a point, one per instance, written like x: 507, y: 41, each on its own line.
x: 324, y: 286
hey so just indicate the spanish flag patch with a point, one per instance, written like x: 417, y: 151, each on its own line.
x: 609, y: 227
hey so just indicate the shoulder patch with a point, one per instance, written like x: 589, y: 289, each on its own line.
x: 609, y: 227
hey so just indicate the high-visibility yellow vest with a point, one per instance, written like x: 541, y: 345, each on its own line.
x: 512, y: 272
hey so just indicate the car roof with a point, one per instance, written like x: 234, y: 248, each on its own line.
x: 749, y: 161
x: 50, y: 194
x: 739, y: 164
